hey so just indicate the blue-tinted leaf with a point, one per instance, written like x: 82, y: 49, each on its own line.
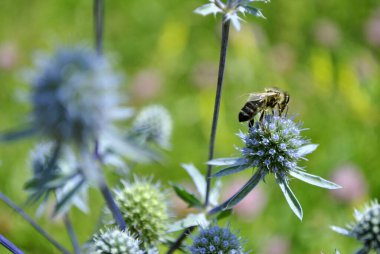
x: 224, y: 214
x: 198, y: 179
x: 313, y: 179
x: 341, y: 231
x: 291, y: 198
x: 237, y: 197
x: 235, y: 20
x: 254, y: 11
x: 227, y: 161
x: 187, y: 196
x: 230, y: 170
x: 190, y: 221
x: 64, y: 200
x: 305, y: 150
x: 208, y: 9
x: 18, y: 134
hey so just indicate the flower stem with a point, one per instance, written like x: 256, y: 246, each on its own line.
x: 112, y: 205
x: 9, y: 245
x: 33, y: 223
x: 70, y: 231
x: 218, y: 97
x: 222, y: 64
x: 99, y: 25
x: 107, y: 195
x: 178, y: 242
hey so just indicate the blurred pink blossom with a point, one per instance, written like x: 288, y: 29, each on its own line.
x: 146, y: 84
x: 204, y: 75
x: 252, y: 204
x: 327, y: 33
x: 277, y: 245
x: 372, y: 29
x: 283, y: 57
x: 352, y: 180
x: 9, y: 56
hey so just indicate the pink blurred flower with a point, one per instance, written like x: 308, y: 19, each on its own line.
x: 8, y: 56
x: 277, y: 245
x: 147, y: 84
x: 353, y: 183
x: 204, y: 75
x: 327, y: 33
x: 252, y: 204
x: 283, y: 57
x: 372, y: 29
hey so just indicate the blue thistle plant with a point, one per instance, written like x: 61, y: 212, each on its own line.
x: 273, y: 146
x: 231, y: 10
x: 214, y: 239
x: 74, y: 95
x: 366, y: 229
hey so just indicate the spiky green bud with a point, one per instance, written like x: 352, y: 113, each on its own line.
x: 144, y: 209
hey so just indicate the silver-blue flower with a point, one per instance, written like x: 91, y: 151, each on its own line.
x: 273, y: 146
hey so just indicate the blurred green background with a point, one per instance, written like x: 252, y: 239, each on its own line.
x: 324, y: 53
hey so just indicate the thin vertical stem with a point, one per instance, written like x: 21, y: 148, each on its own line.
x: 9, y: 245
x: 33, y: 223
x: 107, y: 195
x: 218, y: 97
x: 99, y: 25
x: 71, y: 233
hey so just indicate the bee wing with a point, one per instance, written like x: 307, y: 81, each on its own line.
x: 256, y: 97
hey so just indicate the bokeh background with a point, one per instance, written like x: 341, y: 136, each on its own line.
x: 324, y: 53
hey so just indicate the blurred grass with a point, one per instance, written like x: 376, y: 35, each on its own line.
x: 334, y: 88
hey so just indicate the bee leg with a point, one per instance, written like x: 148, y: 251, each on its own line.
x: 262, y: 116
x: 251, y: 123
x: 286, y: 112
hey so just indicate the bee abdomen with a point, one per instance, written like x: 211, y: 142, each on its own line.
x: 249, y: 110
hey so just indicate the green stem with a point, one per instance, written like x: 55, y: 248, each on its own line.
x: 99, y: 25
x: 33, y: 223
x: 71, y: 233
x: 9, y: 245
x: 218, y: 97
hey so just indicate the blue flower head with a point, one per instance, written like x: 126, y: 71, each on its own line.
x: 214, y: 239
x: 366, y: 229
x: 74, y: 95
x: 273, y: 146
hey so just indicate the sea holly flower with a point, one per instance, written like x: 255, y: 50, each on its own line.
x: 231, y: 10
x: 154, y: 124
x: 144, y: 209
x: 273, y: 146
x: 116, y: 242
x: 214, y: 239
x: 366, y: 229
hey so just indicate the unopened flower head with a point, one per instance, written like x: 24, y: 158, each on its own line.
x: 215, y: 239
x: 366, y: 229
x: 114, y: 241
x: 231, y: 10
x: 154, y: 124
x: 272, y: 145
x: 144, y: 209
x: 74, y: 94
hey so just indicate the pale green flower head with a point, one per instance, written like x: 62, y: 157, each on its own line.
x: 231, y: 10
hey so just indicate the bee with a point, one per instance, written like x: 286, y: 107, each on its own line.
x: 260, y: 102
